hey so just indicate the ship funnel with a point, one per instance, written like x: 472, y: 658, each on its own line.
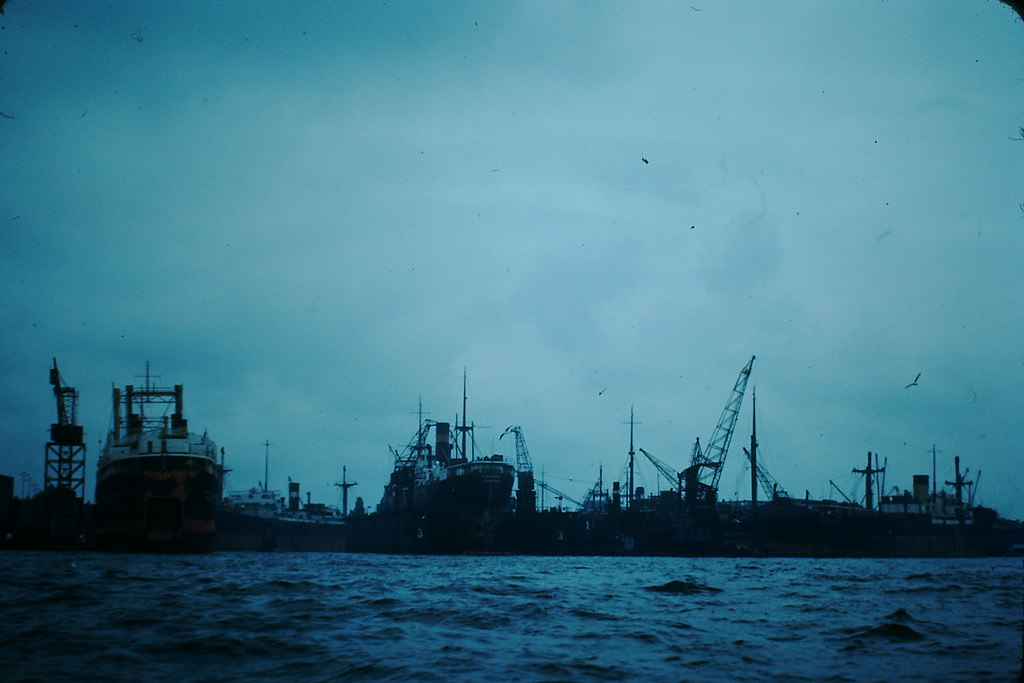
x: 117, y: 413
x: 921, y: 489
x: 134, y: 419
x: 293, y: 496
x: 178, y: 421
x: 442, y: 432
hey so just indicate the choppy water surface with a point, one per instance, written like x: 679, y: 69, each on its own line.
x: 91, y: 616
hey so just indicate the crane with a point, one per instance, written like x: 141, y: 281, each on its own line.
x: 523, y: 463
x: 841, y: 493
x: 769, y: 484
x: 526, y: 494
x: 705, y: 470
x: 674, y: 478
x: 64, y: 475
x: 551, y: 489
x: 65, y: 452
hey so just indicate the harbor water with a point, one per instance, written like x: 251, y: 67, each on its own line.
x: 335, y: 617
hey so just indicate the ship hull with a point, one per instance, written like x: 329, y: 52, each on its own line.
x: 787, y: 528
x: 462, y: 513
x: 241, y: 531
x: 145, y: 506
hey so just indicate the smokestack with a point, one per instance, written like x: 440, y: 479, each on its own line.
x: 117, y: 413
x: 178, y: 422
x: 442, y: 432
x: 921, y: 488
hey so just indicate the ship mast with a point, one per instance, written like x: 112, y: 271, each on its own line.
x: 266, y: 465
x: 463, y: 428
x: 421, y: 438
x: 959, y: 482
x: 629, y: 494
x: 344, y: 485
x: 753, y: 451
x: 867, y: 472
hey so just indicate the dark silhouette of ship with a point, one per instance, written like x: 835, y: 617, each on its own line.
x: 260, y: 518
x: 157, y: 483
x: 440, y: 498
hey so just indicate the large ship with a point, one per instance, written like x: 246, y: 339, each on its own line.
x: 157, y: 483
x: 260, y: 518
x: 925, y: 522
x: 440, y: 498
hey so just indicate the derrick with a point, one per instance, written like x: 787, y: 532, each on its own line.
x: 64, y: 474
x: 702, y: 476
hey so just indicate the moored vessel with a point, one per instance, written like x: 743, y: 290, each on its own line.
x: 440, y: 498
x: 157, y: 483
x: 261, y: 519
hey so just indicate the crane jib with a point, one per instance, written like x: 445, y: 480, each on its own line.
x: 713, y: 458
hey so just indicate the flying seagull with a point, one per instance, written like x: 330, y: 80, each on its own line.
x: 644, y: 159
x: 914, y: 383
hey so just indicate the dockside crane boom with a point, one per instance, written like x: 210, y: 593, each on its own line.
x: 674, y: 478
x: 841, y: 493
x: 67, y: 398
x: 551, y: 489
x: 526, y: 494
x: 523, y: 463
x: 702, y: 476
x: 769, y: 484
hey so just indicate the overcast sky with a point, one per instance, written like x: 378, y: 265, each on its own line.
x: 314, y: 214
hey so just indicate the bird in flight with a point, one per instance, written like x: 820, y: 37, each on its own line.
x: 644, y: 159
x: 601, y: 392
x: 914, y: 383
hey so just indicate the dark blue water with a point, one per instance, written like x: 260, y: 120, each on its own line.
x: 333, y: 617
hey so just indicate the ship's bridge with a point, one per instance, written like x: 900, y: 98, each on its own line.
x: 160, y: 442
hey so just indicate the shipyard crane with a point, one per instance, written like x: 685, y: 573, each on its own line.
x: 526, y: 494
x: 523, y: 463
x: 65, y: 452
x: 674, y: 478
x: 702, y: 476
x: 551, y: 489
x: 64, y: 476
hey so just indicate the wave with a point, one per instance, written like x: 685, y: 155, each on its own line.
x: 683, y: 588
